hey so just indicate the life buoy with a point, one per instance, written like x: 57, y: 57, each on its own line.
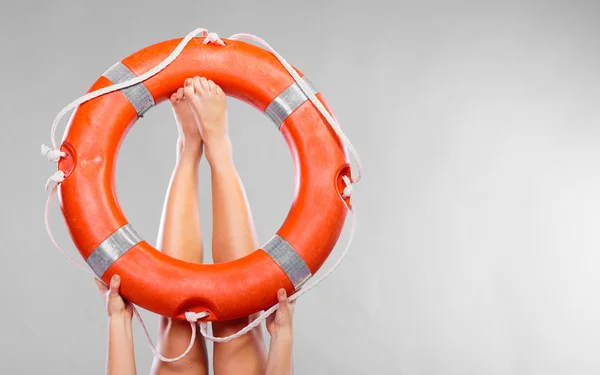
x: 168, y: 286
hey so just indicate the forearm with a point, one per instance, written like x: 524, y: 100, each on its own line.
x: 280, y: 355
x: 121, y: 359
x: 231, y: 212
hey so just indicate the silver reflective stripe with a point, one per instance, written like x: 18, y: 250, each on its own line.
x: 112, y: 249
x: 288, y: 259
x: 287, y: 102
x: 138, y: 95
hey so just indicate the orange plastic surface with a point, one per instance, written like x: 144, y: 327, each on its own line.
x: 168, y: 286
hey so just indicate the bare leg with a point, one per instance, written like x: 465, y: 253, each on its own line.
x: 180, y: 237
x: 233, y: 230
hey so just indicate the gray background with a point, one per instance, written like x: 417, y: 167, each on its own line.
x: 477, y: 249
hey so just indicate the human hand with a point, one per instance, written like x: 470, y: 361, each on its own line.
x: 281, y: 321
x: 116, y: 306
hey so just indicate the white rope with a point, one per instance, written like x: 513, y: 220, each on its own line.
x: 157, y: 69
x: 346, y: 193
x: 54, y: 154
x: 313, y: 98
x: 56, y: 178
x: 191, y: 317
x: 47, y: 221
x: 213, y: 38
x: 348, y: 189
x: 264, y: 315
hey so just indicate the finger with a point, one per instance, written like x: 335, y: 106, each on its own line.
x: 283, y: 301
x: 115, y: 283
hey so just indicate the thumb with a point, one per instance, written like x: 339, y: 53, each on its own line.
x: 283, y: 300
x: 115, y: 283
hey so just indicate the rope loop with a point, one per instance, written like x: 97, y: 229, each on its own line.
x: 194, y: 317
x: 349, y: 187
x: 53, y: 154
x: 56, y: 178
x: 213, y: 38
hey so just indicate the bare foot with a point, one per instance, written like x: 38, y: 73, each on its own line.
x: 189, y: 135
x: 209, y: 105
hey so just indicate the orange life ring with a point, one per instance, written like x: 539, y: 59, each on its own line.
x: 168, y: 286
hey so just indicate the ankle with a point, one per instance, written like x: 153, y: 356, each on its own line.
x: 189, y: 148
x: 219, y: 153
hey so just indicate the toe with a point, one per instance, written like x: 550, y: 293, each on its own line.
x: 173, y: 98
x: 198, y: 85
x: 212, y: 86
x: 180, y: 95
x: 204, y: 84
x: 188, y: 88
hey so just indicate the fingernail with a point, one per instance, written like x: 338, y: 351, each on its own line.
x: 115, y: 278
x: 281, y: 293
